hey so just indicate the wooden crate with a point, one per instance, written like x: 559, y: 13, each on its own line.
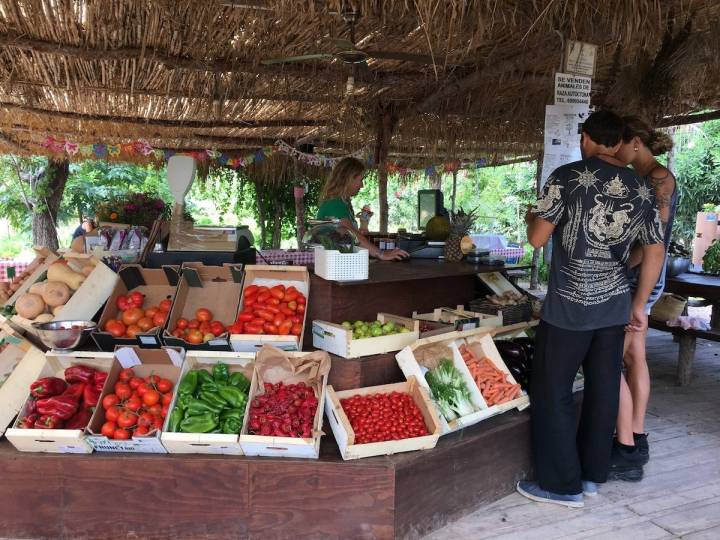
x: 63, y: 441
x: 156, y: 285
x: 20, y: 364
x: 165, y: 363
x: 293, y: 447
x: 345, y: 436
x: 43, y: 259
x: 84, y: 303
x: 338, y: 340
x: 208, y: 443
x: 456, y: 319
x: 269, y: 276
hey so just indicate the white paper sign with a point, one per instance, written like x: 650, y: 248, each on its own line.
x: 563, y: 124
x: 572, y: 89
x: 580, y: 58
x: 127, y: 357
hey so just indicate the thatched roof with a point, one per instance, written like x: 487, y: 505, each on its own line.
x: 475, y: 78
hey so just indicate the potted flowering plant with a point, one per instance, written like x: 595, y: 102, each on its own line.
x: 139, y: 209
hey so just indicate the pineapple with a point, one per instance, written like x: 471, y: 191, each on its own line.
x: 460, y: 225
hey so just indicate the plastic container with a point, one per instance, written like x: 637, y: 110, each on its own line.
x: 335, y: 266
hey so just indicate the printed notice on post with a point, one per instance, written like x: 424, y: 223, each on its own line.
x: 572, y: 89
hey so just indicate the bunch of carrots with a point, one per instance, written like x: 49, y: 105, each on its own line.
x: 491, y: 381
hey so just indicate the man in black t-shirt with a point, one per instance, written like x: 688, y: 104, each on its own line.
x: 596, y: 210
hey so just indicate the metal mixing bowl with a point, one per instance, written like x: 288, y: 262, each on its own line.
x: 677, y: 266
x: 64, y: 336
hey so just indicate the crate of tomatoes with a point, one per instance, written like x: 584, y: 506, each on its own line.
x: 59, y: 403
x: 382, y: 420
x: 205, y: 307
x: 285, y: 405
x: 137, y: 310
x: 134, y: 405
x: 272, y: 308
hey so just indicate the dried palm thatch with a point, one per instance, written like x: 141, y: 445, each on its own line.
x: 474, y: 78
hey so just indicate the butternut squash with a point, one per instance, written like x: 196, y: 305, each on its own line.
x: 55, y: 293
x: 44, y: 317
x: 37, y: 288
x: 56, y: 310
x: 30, y: 306
x: 61, y: 272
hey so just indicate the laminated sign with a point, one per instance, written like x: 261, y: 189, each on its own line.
x: 572, y: 89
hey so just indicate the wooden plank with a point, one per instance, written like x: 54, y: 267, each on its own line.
x: 685, y: 359
x: 707, y: 534
x: 696, y: 517
x: 319, y: 500
x: 348, y: 373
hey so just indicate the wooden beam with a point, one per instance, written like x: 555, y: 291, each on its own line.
x: 386, y: 123
x: 12, y: 144
x: 231, y: 96
x: 165, y: 123
x: 685, y: 119
x: 219, y: 65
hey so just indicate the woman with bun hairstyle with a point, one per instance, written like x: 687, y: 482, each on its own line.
x: 640, y: 146
x: 344, y: 183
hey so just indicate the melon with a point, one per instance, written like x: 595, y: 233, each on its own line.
x: 437, y: 229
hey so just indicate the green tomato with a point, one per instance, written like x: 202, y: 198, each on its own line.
x: 377, y: 331
x: 388, y: 328
x: 358, y: 324
x: 404, y: 330
x: 347, y: 325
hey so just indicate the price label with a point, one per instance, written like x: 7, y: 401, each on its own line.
x: 217, y: 342
x: 127, y: 357
x: 148, y: 340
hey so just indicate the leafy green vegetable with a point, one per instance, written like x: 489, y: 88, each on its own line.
x: 450, y: 391
x: 711, y: 260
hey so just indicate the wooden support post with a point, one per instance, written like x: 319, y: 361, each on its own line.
x: 535, y: 272
x: 685, y: 359
x: 386, y: 124
x: 454, y: 192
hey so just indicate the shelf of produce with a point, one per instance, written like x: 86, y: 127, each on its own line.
x: 401, y: 496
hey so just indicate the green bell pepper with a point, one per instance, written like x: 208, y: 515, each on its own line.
x: 204, y: 376
x: 231, y: 426
x: 239, y: 380
x: 232, y: 413
x: 184, y: 400
x: 220, y: 373
x: 189, y: 384
x: 201, y: 423
x: 209, y: 387
x: 198, y: 406
x: 176, y: 417
x: 233, y: 395
x: 214, y: 399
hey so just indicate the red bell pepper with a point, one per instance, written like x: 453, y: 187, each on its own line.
x: 79, y: 420
x: 75, y: 374
x: 91, y: 395
x: 28, y: 422
x: 62, y: 407
x: 99, y: 379
x: 75, y: 390
x: 31, y: 406
x: 47, y: 387
x: 48, y: 421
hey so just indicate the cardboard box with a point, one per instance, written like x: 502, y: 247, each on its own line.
x: 156, y: 285
x: 37, y: 268
x: 216, y: 288
x: 311, y: 368
x: 165, y: 363
x: 84, y: 304
x: 63, y: 441
x: 208, y: 443
x: 20, y: 364
x: 269, y: 276
x: 444, y: 319
x: 338, y: 340
x: 345, y: 436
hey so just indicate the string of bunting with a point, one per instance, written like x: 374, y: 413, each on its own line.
x: 141, y: 148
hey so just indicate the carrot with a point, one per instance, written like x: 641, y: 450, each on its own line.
x: 490, y: 380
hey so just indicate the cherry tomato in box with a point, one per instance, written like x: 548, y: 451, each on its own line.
x: 167, y: 399
x: 257, y: 321
x: 126, y: 374
x: 279, y: 319
x: 178, y: 333
x: 151, y: 397
x: 236, y: 328
x: 144, y: 387
x: 262, y: 297
x: 284, y: 328
x: 251, y: 290
x: 164, y: 385
x: 292, y: 305
x: 135, y: 382
x: 278, y: 291
x: 133, y: 404
x: 270, y: 328
x: 121, y: 434
x: 273, y: 302
x: 155, y: 410
x: 127, y: 419
x: 253, y: 329
x: 245, y: 316
x: 289, y: 296
x: 301, y: 308
x: 266, y: 315
x: 249, y: 302
x: 152, y: 379
x: 285, y: 310
x: 108, y: 429
x: 123, y: 391
x: 165, y: 305
x: 110, y: 400
x: 141, y: 431
x: 296, y: 330
x: 112, y: 413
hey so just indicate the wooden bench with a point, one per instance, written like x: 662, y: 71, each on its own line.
x: 687, y: 340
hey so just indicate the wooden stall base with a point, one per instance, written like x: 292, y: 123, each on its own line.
x: 221, y: 497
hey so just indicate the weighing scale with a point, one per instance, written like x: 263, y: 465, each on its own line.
x: 419, y: 247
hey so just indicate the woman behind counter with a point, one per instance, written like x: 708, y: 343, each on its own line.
x: 345, y: 182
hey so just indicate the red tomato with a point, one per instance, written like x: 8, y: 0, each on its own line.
x: 165, y: 410
x: 145, y: 419
x: 108, y: 429
x: 296, y: 319
x: 181, y: 323
x: 301, y: 300
x: 141, y: 431
x: 151, y: 311
x: 301, y: 308
x: 155, y: 410
x: 178, y: 333
x: 160, y: 318
x: 152, y: 379
x: 266, y: 315
x: 194, y: 323
x: 204, y: 327
x: 164, y: 385
x: 112, y: 413
x: 135, y: 382
x: 110, y: 400
x: 285, y: 310
x: 133, y: 404
x: 167, y: 399
x: 158, y: 423
x: 270, y: 329
x: 284, y: 328
x: 137, y: 298
x: 253, y: 329
x: 126, y: 374
x: 194, y: 336
x: 245, y: 316
x: 289, y: 296
x: 123, y: 391
x: 208, y: 336
x: 132, y: 330
x: 145, y: 324
x: 151, y: 397
x: 263, y: 297
x: 165, y: 305
x: 257, y: 321
x: 251, y: 290
x: 274, y: 302
x: 236, y: 328
x: 144, y: 387
x: 121, y: 302
x: 249, y: 302
x: 132, y: 316
x: 115, y: 327
x: 292, y: 305
x: 278, y: 291
x: 127, y: 419
x: 203, y: 314
x: 121, y: 434
x: 279, y: 319
x: 296, y: 329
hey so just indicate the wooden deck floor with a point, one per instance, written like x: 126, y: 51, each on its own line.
x: 680, y: 494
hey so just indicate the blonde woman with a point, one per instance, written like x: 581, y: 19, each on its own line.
x: 344, y: 183
x: 630, y: 452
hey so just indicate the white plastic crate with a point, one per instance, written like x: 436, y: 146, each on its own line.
x: 335, y: 266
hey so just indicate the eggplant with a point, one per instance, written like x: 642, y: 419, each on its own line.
x: 511, y: 351
x: 528, y: 345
